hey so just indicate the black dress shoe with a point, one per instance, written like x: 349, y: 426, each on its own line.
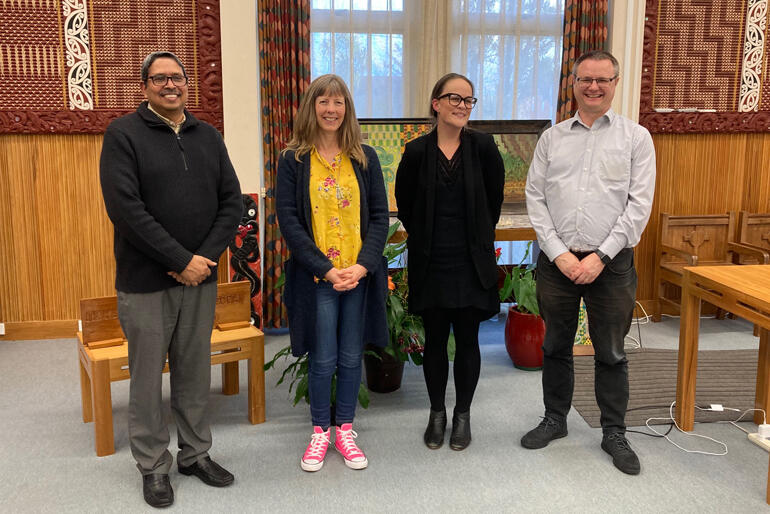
x: 461, y: 431
x: 209, y: 472
x: 434, y: 434
x: 157, y: 490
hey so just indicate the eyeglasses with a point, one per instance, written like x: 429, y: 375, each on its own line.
x: 162, y: 80
x: 455, y: 100
x: 601, y: 82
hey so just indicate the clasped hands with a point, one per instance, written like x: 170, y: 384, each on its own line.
x: 197, y: 270
x: 582, y: 271
x: 347, y: 278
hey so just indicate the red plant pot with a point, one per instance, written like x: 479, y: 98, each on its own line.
x: 524, y: 334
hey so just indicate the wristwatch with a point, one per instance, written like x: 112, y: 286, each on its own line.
x: 603, y: 256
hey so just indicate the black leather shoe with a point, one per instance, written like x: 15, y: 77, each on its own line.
x: 623, y: 457
x: 461, y: 431
x: 209, y: 472
x: 434, y: 434
x: 157, y: 490
x: 548, y: 430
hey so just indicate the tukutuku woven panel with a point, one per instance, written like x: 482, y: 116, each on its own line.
x: 72, y: 66
x: 705, y: 66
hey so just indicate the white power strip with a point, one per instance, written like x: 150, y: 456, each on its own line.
x: 760, y: 441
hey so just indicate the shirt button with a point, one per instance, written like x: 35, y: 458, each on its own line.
x: 580, y: 208
x: 585, y: 169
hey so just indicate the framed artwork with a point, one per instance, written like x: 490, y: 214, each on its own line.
x: 516, y: 140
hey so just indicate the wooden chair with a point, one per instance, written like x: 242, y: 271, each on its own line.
x: 693, y: 240
x: 103, y: 356
x: 754, y: 237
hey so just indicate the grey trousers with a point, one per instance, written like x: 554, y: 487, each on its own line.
x: 177, y: 322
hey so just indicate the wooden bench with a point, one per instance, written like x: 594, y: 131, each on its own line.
x: 103, y: 356
x: 693, y: 240
x: 754, y: 232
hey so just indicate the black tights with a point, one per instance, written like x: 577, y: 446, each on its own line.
x: 467, y: 363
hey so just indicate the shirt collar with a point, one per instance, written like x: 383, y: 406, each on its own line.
x: 174, y: 126
x: 610, y: 115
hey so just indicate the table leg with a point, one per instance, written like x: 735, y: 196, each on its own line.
x: 689, y: 326
x: 257, y: 381
x: 230, y: 378
x: 762, y: 398
x: 767, y: 496
x: 101, y: 398
x: 85, y: 393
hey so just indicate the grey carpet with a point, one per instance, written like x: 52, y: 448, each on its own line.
x: 727, y: 377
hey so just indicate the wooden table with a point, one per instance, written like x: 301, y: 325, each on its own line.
x: 511, y: 227
x: 742, y: 290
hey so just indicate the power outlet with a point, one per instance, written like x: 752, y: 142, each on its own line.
x: 2, y: 329
x: 760, y: 441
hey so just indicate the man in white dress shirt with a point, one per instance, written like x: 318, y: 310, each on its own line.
x: 589, y: 193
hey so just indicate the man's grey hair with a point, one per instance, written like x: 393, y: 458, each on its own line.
x: 157, y: 55
x: 597, y: 55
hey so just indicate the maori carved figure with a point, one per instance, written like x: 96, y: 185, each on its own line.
x: 244, y: 251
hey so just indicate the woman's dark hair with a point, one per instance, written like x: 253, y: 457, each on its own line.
x: 439, y: 87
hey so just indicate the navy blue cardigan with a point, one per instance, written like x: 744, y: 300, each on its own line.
x: 308, y: 261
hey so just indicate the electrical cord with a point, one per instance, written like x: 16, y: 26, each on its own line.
x: 711, y: 408
x: 671, y: 418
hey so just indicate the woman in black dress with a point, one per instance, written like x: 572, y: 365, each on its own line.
x: 449, y: 189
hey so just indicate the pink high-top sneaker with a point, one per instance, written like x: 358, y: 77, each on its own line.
x: 345, y: 444
x: 313, y: 459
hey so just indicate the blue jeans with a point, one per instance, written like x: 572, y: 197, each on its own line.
x: 338, y: 345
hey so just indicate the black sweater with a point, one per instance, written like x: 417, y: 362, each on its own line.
x: 169, y: 196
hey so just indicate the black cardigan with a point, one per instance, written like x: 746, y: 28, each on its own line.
x: 483, y: 176
x: 169, y: 196
x: 307, y: 261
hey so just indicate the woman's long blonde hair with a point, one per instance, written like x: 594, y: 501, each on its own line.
x: 306, y: 125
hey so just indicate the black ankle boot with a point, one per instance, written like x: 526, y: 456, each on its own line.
x: 461, y: 431
x: 434, y: 434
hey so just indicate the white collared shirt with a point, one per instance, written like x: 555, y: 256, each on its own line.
x: 592, y: 187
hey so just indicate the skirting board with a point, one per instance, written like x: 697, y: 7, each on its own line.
x: 26, y: 330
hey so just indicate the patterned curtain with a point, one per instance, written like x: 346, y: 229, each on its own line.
x: 585, y: 29
x: 284, y: 67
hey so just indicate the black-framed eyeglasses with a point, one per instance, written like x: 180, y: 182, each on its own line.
x: 601, y: 81
x: 455, y: 100
x: 162, y: 80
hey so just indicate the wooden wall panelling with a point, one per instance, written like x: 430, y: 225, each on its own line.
x: 55, y: 236
x: 58, y: 244
x: 703, y: 174
x: 20, y: 279
x: 757, y: 191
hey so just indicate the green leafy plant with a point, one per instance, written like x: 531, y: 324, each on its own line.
x: 406, y: 331
x: 520, y: 282
x: 298, y: 372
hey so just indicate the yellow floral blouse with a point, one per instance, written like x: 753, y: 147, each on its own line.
x: 335, y: 204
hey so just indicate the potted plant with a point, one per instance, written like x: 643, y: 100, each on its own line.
x: 385, y: 366
x: 524, y: 328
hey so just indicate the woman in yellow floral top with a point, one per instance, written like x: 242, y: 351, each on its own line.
x: 333, y: 213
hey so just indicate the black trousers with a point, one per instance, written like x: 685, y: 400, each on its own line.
x: 609, y: 300
x: 467, y: 362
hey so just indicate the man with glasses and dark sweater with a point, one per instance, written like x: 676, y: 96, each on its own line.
x: 175, y: 202
x: 589, y: 195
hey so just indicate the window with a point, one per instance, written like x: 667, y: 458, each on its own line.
x: 510, y: 49
x: 363, y: 42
